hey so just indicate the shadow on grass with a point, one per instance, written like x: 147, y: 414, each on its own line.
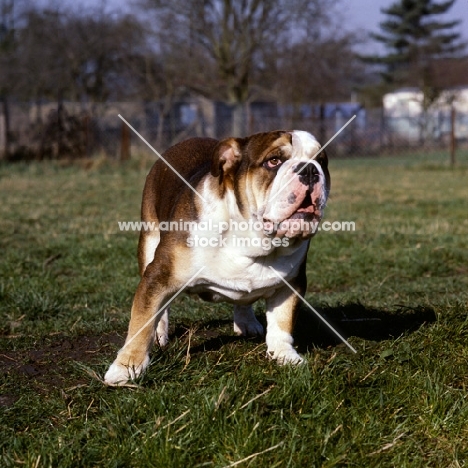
x: 349, y: 320
x: 212, y: 335
x: 357, y: 320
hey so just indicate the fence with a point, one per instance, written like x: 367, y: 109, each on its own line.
x: 71, y: 130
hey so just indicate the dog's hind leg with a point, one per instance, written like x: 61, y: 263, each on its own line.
x: 245, y: 322
x: 149, y: 241
x: 161, y: 336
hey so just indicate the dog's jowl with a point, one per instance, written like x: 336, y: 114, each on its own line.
x: 255, y: 205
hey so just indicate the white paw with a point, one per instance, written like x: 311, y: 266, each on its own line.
x: 162, y: 340
x: 285, y: 356
x: 118, y: 374
x: 161, y: 335
x: 250, y: 327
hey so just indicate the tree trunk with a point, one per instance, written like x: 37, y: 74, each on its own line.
x: 60, y: 126
x: 6, y: 136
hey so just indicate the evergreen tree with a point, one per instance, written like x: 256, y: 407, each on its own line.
x: 415, y: 37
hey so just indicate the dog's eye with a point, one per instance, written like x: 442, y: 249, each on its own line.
x: 273, y: 163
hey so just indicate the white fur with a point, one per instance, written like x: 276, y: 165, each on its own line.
x: 151, y: 242
x: 305, y: 148
x: 241, y: 279
x: 119, y: 374
x: 279, y: 343
x: 162, y: 329
x: 238, y: 274
x: 304, y: 144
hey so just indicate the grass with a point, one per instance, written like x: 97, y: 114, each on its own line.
x: 397, y: 287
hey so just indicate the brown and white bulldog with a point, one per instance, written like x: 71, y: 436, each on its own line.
x: 258, y: 203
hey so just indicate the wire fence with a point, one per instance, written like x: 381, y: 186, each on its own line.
x: 71, y: 130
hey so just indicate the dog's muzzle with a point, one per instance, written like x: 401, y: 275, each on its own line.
x: 297, y: 199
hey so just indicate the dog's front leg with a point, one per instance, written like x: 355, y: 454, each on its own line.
x: 281, y: 317
x: 133, y: 358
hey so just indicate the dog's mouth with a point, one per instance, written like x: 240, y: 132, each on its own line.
x: 307, y: 208
x: 302, y: 222
x: 295, y: 204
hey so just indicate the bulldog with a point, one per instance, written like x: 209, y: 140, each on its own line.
x: 231, y: 221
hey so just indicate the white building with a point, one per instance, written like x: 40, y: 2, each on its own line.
x: 405, y: 117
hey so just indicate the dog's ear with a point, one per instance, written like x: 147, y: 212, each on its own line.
x: 322, y: 159
x: 226, y: 158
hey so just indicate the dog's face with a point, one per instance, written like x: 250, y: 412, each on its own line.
x: 277, y: 178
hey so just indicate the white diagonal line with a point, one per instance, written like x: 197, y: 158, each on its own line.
x: 167, y: 164
x: 314, y: 156
x: 162, y: 308
x: 313, y: 310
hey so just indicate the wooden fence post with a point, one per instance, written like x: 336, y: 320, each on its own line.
x: 125, y: 143
x: 453, y: 140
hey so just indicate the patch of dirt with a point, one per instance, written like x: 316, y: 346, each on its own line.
x: 7, y: 400
x: 50, y: 364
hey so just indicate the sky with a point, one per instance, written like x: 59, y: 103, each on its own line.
x: 361, y: 15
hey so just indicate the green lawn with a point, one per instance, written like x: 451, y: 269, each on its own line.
x: 397, y: 287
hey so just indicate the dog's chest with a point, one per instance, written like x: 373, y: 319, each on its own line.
x: 229, y: 275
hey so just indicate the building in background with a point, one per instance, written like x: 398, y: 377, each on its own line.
x: 408, y: 120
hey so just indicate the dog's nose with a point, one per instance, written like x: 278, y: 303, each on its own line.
x: 308, y: 173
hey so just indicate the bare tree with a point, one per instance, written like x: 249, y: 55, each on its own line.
x: 229, y: 43
x: 229, y: 50
x: 63, y: 54
x: 74, y: 55
x: 321, y: 69
x: 317, y: 70
x: 157, y: 73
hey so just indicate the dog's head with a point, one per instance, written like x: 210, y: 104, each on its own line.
x: 280, y: 178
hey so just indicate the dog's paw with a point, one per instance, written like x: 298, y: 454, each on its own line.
x: 119, y: 374
x: 161, y: 334
x: 161, y: 340
x: 286, y: 356
x: 248, y: 328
